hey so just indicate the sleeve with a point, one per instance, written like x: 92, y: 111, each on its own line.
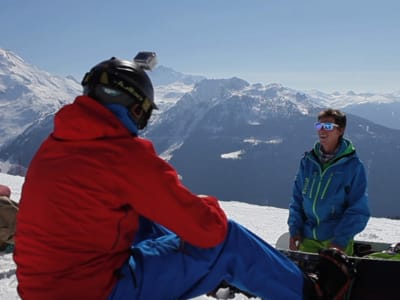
x: 357, y: 214
x: 161, y: 197
x: 296, y: 213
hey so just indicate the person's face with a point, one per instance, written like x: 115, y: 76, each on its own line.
x: 329, y: 139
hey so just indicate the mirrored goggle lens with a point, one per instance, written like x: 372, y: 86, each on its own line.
x: 325, y: 126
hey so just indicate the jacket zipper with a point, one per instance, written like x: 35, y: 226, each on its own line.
x: 322, y: 173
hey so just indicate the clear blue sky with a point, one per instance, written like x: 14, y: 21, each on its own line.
x: 303, y: 44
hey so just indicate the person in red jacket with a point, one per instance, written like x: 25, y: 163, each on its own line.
x: 102, y: 216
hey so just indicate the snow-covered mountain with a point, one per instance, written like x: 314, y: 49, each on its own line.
x: 236, y: 140
x: 268, y: 222
x: 240, y: 141
x: 28, y: 94
x: 162, y: 75
x: 29, y: 97
x: 382, y: 108
x: 225, y: 103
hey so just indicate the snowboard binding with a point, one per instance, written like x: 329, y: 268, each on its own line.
x: 335, y: 275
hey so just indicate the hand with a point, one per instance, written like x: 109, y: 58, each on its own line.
x: 294, y: 242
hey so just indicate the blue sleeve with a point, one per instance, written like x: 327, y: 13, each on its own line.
x: 357, y: 214
x: 296, y: 213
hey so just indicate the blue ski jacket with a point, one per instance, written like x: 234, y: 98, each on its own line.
x: 330, y: 202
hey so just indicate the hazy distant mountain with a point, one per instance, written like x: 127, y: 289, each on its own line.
x: 382, y: 109
x: 162, y: 75
x: 387, y: 114
x: 225, y: 137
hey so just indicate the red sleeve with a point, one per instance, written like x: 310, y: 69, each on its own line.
x: 159, y: 195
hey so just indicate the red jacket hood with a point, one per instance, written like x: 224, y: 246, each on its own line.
x: 87, y: 119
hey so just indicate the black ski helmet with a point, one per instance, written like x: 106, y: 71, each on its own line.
x: 117, y: 81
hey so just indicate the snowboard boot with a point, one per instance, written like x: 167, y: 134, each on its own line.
x: 333, y: 278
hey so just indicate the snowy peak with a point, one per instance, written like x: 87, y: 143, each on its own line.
x: 215, y: 105
x: 18, y: 76
x: 231, y: 84
x: 9, y: 60
x: 28, y: 94
x: 261, y: 99
x: 170, y: 86
x: 217, y: 89
x: 163, y: 76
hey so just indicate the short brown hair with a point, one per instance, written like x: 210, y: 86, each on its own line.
x: 337, y: 115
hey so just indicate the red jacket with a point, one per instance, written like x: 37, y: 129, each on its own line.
x: 83, y: 193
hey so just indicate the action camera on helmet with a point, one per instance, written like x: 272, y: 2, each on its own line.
x: 146, y: 60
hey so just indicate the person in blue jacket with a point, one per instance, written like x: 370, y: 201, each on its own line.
x: 329, y: 203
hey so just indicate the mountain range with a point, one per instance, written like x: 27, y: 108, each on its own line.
x: 225, y: 137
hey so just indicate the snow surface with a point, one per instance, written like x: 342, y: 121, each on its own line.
x: 268, y: 222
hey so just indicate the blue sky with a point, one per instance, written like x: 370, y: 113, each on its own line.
x: 335, y: 45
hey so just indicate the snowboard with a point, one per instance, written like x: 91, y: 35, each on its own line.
x: 361, y: 248
x: 376, y: 278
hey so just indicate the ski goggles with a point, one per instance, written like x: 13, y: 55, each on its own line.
x: 325, y: 126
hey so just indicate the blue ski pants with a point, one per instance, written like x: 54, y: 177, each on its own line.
x: 165, y: 268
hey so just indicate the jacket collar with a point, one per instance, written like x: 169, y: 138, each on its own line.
x: 87, y: 119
